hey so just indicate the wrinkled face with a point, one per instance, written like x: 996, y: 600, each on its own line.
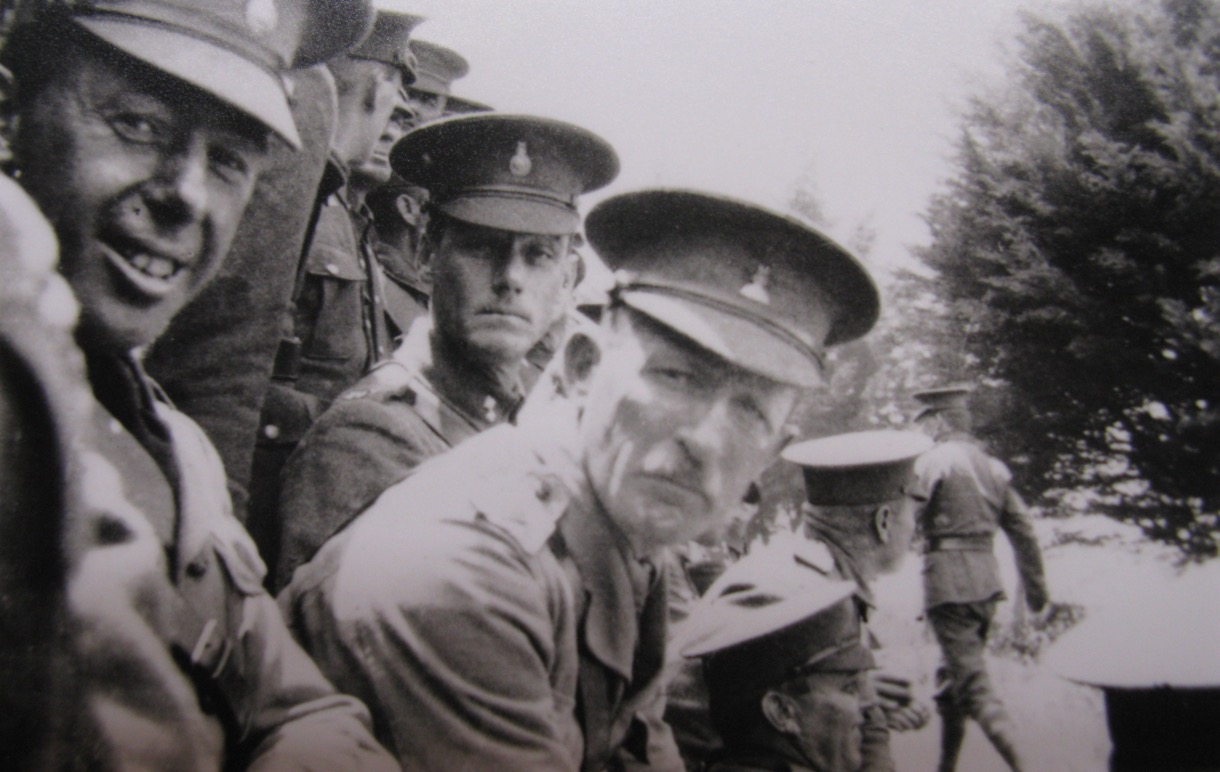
x: 672, y: 435
x: 495, y: 291
x: 830, y: 722
x: 426, y: 106
x: 145, y: 181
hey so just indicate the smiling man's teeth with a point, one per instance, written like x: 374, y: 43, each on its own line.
x: 160, y: 268
x: 156, y: 267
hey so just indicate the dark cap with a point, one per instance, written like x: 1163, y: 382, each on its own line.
x: 235, y: 50
x: 437, y: 67
x: 770, y: 617
x: 512, y: 172
x: 456, y: 105
x: 761, y: 290
x: 954, y: 397
x: 390, y: 43
x: 858, y: 468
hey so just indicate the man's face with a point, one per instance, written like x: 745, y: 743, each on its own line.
x: 495, y: 291
x: 376, y: 170
x: 830, y: 723
x: 378, y: 84
x: 145, y: 180
x: 426, y: 106
x: 672, y: 435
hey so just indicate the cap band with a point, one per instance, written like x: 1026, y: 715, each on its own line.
x: 511, y: 192
x: 816, y: 355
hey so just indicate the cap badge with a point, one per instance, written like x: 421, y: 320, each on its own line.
x: 756, y: 290
x: 520, y: 164
x: 261, y: 16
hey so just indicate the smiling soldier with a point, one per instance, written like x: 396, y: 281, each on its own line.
x: 498, y: 240
x: 140, y: 130
x: 502, y: 607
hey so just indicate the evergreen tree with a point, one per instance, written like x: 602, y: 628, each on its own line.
x: 1078, y: 248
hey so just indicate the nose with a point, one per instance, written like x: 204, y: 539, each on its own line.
x: 512, y: 268
x: 178, y: 193
x: 706, y: 429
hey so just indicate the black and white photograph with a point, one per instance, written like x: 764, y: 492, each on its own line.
x: 607, y: 385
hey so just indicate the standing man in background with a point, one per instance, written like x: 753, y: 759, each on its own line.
x: 970, y: 497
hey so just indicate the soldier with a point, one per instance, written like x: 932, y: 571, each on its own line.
x: 860, y: 511
x: 784, y: 655
x: 504, y: 607
x: 498, y: 242
x: 438, y: 68
x: 399, y: 204
x: 860, y: 502
x: 338, y: 307
x: 969, y: 496
x: 141, y: 129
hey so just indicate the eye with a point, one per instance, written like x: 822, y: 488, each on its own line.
x: 751, y: 412
x: 675, y: 377
x: 137, y: 127
x: 228, y: 162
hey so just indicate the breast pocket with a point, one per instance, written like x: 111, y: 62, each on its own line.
x: 334, y: 310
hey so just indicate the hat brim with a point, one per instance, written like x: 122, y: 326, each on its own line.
x: 713, y: 626
x: 735, y: 339
x: 513, y: 214
x: 226, y: 75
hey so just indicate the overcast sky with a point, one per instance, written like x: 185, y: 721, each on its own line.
x: 747, y: 97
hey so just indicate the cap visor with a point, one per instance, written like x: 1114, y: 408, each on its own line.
x: 737, y: 340
x: 226, y: 75
x: 513, y: 214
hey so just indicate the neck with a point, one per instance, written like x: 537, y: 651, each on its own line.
x: 455, y: 363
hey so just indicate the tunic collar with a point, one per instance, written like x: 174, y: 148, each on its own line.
x: 617, y: 585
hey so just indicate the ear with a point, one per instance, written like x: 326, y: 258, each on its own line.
x: 781, y: 712
x: 580, y: 357
x: 882, y: 518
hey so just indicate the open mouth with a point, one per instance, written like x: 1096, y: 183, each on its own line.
x: 149, y: 273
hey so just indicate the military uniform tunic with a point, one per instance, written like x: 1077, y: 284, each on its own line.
x: 489, y: 614
x: 412, y: 407
x: 969, y: 498
x: 176, y: 657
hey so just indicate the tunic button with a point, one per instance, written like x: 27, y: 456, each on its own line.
x: 271, y: 431
x: 543, y: 491
x: 332, y: 269
x: 114, y: 426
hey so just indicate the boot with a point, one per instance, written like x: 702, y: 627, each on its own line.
x: 952, y: 733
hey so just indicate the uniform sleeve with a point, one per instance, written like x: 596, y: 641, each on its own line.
x: 295, y: 717
x: 452, y: 637
x: 1015, y: 520
x: 355, y: 451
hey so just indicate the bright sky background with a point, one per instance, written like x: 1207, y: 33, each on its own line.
x: 748, y: 97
